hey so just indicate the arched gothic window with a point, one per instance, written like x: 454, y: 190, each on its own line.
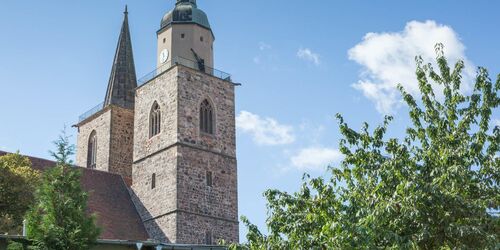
x: 206, y: 117
x: 155, y: 120
x: 92, y: 151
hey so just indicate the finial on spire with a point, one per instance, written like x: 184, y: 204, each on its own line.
x: 122, y: 80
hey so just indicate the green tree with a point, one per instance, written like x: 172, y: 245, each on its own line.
x: 438, y: 188
x: 59, y: 220
x: 64, y: 149
x: 17, y: 186
x: 12, y: 245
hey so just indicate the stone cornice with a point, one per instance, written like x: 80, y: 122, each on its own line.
x: 184, y: 145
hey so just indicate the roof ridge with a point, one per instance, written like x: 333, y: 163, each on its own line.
x: 52, y: 161
x: 29, y: 156
x: 133, y: 204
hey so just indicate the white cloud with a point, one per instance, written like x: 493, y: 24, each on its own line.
x: 265, y: 131
x: 316, y: 158
x: 264, y: 46
x: 389, y: 58
x: 308, y: 55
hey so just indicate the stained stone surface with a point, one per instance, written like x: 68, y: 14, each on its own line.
x: 101, y: 123
x: 162, y: 90
x: 121, y: 141
x: 114, y: 128
x: 182, y: 208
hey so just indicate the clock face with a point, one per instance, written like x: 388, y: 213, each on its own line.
x: 164, y: 56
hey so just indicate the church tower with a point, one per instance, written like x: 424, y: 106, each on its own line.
x: 184, y: 170
x: 105, y: 133
x: 185, y: 33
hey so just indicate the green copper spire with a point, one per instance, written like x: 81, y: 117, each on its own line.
x: 123, y: 80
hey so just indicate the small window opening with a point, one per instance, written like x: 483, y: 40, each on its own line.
x: 183, y: 35
x: 209, y: 179
x: 201, y: 39
x: 153, y: 181
x: 164, y: 40
x: 208, y: 238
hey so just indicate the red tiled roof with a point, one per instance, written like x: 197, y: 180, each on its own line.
x: 109, y: 199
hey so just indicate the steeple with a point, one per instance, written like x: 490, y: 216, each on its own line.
x: 123, y: 80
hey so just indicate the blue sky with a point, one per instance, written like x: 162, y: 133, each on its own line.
x: 300, y: 63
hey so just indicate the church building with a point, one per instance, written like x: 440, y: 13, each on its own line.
x: 171, y: 134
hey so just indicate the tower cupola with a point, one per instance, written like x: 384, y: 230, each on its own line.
x: 185, y: 36
x: 185, y: 11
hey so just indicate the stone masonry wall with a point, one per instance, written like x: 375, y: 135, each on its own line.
x: 215, y: 207
x: 162, y: 199
x: 192, y: 229
x: 153, y: 204
x: 209, y: 207
x: 151, y: 156
x: 163, y: 90
x: 101, y: 123
x: 194, y: 87
x: 182, y: 208
x: 219, y: 200
x: 122, y: 141
x: 163, y: 229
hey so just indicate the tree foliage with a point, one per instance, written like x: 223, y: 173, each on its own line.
x: 59, y: 219
x: 437, y: 188
x: 17, y: 186
x: 12, y: 245
x: 64, y: 149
